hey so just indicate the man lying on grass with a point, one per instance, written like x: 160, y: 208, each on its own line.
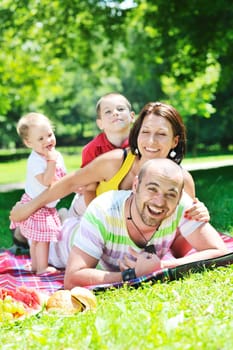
x: 127, y: 234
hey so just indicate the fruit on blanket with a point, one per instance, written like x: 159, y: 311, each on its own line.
x: 19, y: 302
x: 85, y: 296
x: 71, y: 301
x: 29, y: 297
x: 11, y: 309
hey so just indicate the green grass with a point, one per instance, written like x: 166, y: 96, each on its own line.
x: 193, y: 313
x: 13, y: 171
x: 215, y: 188
x: 203, y: 159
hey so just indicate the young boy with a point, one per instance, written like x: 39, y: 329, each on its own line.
x: 114, y: 118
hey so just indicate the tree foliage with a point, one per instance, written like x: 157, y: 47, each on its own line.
x: 59, y: 57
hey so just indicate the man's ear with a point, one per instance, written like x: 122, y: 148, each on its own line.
x: 99, y: 123
x: 135, y: 184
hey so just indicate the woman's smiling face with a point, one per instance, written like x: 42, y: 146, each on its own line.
x: 156, y: 138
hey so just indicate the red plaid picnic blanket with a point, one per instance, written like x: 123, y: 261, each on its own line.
x: 14, y: 272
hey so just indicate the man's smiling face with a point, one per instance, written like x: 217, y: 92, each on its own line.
x: 158, y: 193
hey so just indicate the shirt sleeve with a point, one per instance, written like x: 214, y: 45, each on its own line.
x: 88, y: 237
x: 88, y: 155
x: 188, y: 226
x: 36, y: 165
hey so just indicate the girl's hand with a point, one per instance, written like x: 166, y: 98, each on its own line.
x: 52, y: 154
x: 197, y: 212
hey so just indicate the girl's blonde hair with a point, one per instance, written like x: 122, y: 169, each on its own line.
x: 29, y: 120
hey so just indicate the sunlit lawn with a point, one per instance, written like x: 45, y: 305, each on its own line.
x: 14, y: 171
x: 193, y: 313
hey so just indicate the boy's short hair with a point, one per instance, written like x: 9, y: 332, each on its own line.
x: 110, y: 95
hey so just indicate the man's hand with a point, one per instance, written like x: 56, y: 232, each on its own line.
x: 143, y: 262
x: 198, y: 212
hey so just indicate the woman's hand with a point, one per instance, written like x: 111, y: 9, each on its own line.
x: 20, y: 212
x: 198, y: 212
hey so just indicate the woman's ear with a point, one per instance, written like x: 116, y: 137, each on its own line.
x: 176, y: 141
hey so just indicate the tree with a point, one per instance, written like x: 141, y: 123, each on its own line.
x: 59, y: 57
x: 190, y: 44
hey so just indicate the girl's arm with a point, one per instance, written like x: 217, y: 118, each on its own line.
x: 48, y: 176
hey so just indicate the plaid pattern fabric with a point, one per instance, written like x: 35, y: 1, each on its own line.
x: 43, y: 226
x: 172, y: 274
x: 14, y: 272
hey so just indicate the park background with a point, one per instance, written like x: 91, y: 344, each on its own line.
x: 58, y: 57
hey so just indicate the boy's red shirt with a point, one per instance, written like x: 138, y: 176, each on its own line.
x: 99, y: 145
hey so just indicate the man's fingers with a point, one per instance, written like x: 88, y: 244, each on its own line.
x: 129, y: 262
x: 122, y: 265
x: 133, y: 252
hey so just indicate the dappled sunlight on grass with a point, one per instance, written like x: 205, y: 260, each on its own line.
x: 177, y: 315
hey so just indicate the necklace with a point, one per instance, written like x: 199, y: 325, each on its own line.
x: 135, y: 225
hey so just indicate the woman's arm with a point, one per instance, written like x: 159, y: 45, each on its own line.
x: 104, y: 166
x: 189, y: 185
x: 90, y: 193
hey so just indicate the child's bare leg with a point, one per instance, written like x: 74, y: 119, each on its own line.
x: 33, y: 255
x: 42, y: 255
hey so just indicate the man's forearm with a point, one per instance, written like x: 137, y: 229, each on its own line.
x: 90, y: 277
x: 205, y: 254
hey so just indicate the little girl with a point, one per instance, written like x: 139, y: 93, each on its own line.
x: 44, y: 166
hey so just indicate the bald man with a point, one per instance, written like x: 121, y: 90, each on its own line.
x: 126, y: 234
